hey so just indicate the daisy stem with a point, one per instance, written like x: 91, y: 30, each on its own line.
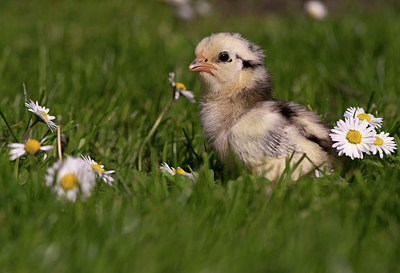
x: 152, y: 131
x: 8, y: 126
x: 59, y: 141
x: 29, y: 129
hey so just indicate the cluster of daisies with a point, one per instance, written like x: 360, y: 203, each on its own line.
x: 74, y: 177
x: 69, y: 178
x: 357, y: 134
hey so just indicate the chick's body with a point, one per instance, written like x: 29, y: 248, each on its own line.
x: 239, y: 115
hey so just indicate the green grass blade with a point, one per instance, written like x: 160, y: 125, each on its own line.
x: 8, y: 126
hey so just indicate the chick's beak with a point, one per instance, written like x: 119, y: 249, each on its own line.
x: 201, y: 64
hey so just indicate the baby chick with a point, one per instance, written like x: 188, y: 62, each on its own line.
x: 241, y: 119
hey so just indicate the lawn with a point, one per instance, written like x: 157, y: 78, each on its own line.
x: 102, y: 69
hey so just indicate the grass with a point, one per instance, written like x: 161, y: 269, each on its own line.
x: 102, y: 69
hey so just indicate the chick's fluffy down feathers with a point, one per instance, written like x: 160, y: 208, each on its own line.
x: 241, y: 119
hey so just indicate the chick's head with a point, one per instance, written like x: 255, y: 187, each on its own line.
x: 227, y: 61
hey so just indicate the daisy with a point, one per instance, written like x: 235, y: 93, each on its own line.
x: 172, y: 171
x: 70, y: 177
x: 183, y: 9
x: 30, y: 147
x: 316, y: 9
x: 358, y: 112
x: 203, y: 8
x: 99, y: 169
x: 180, y: 89
x: 352, y: 137
x: 383, y: 144
x: 42, y: 113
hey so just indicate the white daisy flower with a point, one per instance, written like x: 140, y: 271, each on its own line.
x: 316, y: 9
x: 203, y: 8
x: 71, y: 177
x: 42, y: 113
x: 185, y: 12
x: 180, y: 89
x: 30, y: 147
x: 172, y: 171
x: 352, y: 137
x: 383, y: 144
x: 358, y: 112
x: 183, y: 8
x: 99, y: 169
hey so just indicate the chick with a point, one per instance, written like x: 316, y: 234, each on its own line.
x: 241, y: 119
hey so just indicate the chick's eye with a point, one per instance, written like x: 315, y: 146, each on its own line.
x: 223, y: 57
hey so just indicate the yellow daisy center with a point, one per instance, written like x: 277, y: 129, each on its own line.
x: 97, y: 168
x: 32, y: 146
x: 44, y: 115
x: 69, y: 181
x: 354, y: 136
x: 364, y: 116
x: 378, y: 141
x: 180, y: 85
x: 179, y: 171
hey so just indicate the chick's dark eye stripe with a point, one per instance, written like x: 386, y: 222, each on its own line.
x: 247, y: 64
